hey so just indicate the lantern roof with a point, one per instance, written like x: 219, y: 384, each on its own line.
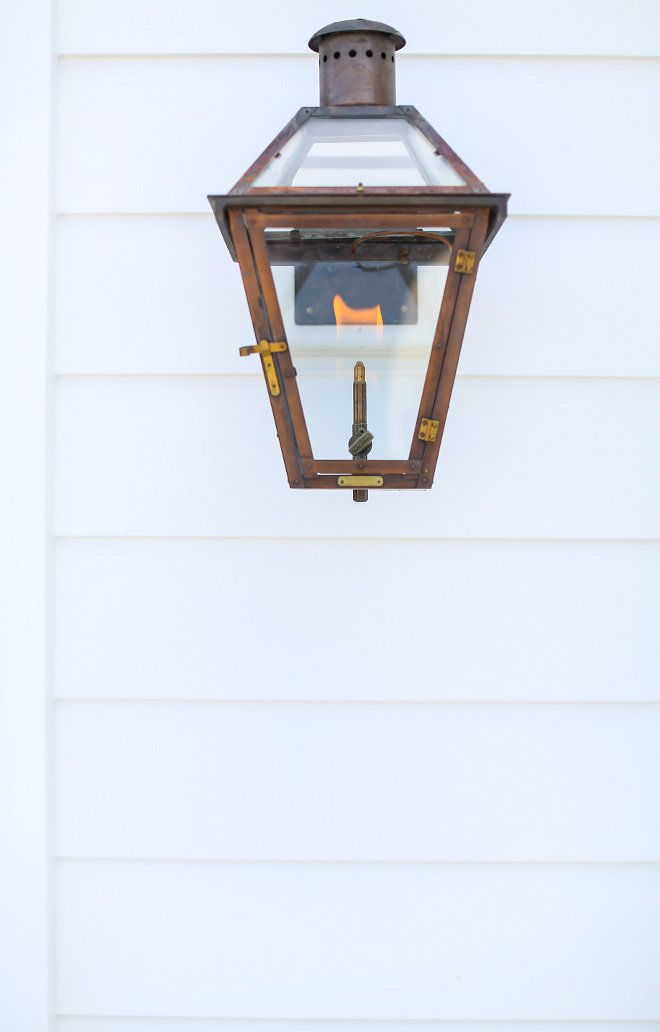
x: 359, y: 157
x: 345, y: 150
x: 357, y: 148
x: 360, y: 25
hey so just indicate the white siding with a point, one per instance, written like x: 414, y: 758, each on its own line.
x: 157, y: 295
x: 154, y: 135
x: 401, y: 782
x: 521, y: 458
x: 594, y: 27
x: 370, y: 941
x: 506, y: 621
x: 270, y: 1025
x: 265, y: 820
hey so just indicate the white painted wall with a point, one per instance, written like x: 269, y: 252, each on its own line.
x: 454, y: 820
x: 26, y: 544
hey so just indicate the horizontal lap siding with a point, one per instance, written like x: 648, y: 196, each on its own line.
x: 159, y: 295
x: 359, y: 782
x: 508, y: 27
x: 473, y: 941
x: 269, y: 1025
x: 158, y: 134
x: 190, y: 741
x: 507, y: 621
x: 542, y: 458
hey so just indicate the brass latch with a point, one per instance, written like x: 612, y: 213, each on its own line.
x: 465, y: 261
x: 351, y: 481
x: 428, y: 430
x: 265, y: 349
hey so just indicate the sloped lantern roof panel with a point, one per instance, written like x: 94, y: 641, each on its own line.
x: 355, y: 147
x: 349, y: 151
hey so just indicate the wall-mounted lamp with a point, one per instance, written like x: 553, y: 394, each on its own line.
x: 359, y: 234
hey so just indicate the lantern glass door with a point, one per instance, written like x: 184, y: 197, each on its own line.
x: 345, y: 151
x: 355, y: 295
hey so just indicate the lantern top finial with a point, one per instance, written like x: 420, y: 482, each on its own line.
x: 356, y: 62
x: 356, y: 25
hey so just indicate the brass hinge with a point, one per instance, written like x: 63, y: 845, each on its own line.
x: 428, y: 430
x: 465, y: 261
x: 265, y: 349
x: 351, y: 481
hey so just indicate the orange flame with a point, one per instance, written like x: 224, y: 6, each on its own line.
x: 347, y: 316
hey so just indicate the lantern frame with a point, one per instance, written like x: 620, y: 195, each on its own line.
x: 471, y: 215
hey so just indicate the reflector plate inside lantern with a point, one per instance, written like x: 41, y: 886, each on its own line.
x: 391, y: 287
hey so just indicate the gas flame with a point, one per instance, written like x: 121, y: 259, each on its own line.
x: 347, y: 316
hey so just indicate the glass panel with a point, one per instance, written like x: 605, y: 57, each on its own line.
x: 380, y: 313
x: 348, y: 151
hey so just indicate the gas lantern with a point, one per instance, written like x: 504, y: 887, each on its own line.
x: 358, y: 233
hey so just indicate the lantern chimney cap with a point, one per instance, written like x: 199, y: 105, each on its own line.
x: 356, y: 25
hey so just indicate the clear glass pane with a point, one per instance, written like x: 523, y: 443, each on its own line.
x: 382, y: 313
x: 348, y: 151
